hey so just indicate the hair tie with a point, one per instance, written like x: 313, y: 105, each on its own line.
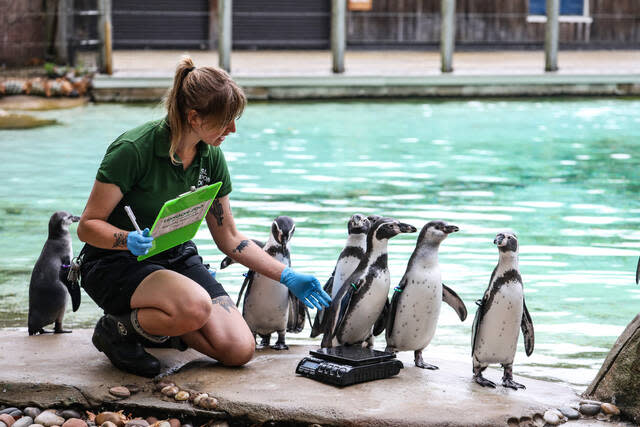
x: 190, y: 69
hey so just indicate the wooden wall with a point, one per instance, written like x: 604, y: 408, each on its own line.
x: 22, y: 30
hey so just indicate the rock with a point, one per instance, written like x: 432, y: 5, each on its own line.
x: 151, y: 420
x: 208, y: 403
x: 7, y: 419
x: 162, y: 424
x: 120, y: 391
x: 32, y: 412
x: 589, y: 409
x: 70, y: 413
x: 610, y: 409
x: 174, y: 422
x: 198, y: 398
x: 8, y: 410
x: 170, y: 390
x: 552, y: 418
x: 133, y: 388
x: 16, y: 414
x: 136, y: 422
x: 592, y: 402
x: 570, y: 413
x: 74, y: 422
x: 23, y: 422
x: 163, y: 384
x: 2, y: 424
x: 108, y: 424
x: 113, y: 417
x: 181, y: 396
x: 617, y: 380
x: 49, y: 419
x: 37, y: 425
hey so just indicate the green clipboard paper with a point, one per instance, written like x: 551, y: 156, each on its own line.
x: 179, y: 219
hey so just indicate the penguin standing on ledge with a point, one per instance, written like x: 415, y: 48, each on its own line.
x: 501, y: 313
x: 416, y: 301
x: 49, y: 286
x: 361, y: 301
x: 350, y: 257
x: 268, y: 305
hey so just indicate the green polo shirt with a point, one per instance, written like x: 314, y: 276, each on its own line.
x: 138, y: 162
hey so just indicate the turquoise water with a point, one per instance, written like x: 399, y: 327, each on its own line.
x: 563, y: 174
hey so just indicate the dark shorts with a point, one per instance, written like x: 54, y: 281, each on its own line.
x: 111, y: 277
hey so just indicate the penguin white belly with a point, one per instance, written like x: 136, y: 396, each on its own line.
x: 359, y: 322
x: 266, y: 308
x: 417, y: 313
x: 497, y: 339
x: 344, y: 269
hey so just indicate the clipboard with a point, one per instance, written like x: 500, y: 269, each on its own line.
x: 179, y: 219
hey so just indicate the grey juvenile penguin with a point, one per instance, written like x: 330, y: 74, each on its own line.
x: 48, y: 288
x: 268, y: 306
x: 361, y: 301
x: 501, y: 313
x: 348, y: 260
x: 415, y: 305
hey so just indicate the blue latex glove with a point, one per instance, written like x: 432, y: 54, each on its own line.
x: 139, y: 244
x: 306, y: 288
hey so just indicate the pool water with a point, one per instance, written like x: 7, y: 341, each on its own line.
x: 564, y: 174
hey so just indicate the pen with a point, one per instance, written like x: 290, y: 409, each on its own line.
x: 132, y: 217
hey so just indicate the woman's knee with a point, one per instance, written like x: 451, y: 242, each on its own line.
x: 194, y: 311
x: 237, y: 352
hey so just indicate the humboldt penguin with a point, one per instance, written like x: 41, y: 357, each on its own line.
x: 361, y: 301
x: 501, y: 313
x: 415, y: 305
x: 49, y: 286
x: 348, y: 260
x: 268, y: 306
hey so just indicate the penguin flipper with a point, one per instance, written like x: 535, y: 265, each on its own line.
x: 328, y: 287
x: 318, y: 323
x: 246, y: 285
x: 451, y: 298
x: 345, y: 302
x: 72, y: 286
x: 227, y: 261
x: 477, y: 320
x: 527, y: 330
x: 393, y: 307
x: 381, y: 323
x: 297, y: 314
x: 638, y: 272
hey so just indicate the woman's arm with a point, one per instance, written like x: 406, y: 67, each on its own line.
x: 236, y: 245
x: 93, y: 227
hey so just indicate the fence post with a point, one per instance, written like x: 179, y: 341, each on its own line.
x: 551, y: 36
x: 105, y: 35
x: 62, y: 36
x: 224, y: 40
x: 447, y: 34
x: 338, y: 33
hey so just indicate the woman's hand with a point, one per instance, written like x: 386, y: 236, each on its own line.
x: 306, y: 288
x: 139, y: 244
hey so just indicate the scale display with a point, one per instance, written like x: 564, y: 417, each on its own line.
x: 343, y: 366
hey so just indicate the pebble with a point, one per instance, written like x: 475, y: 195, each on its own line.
x: 174, y: 422
x: 120, y: 391
x: 170, y: 390
x: 209, y: 403
x: 37, y: 425
x: 163, y: 384
x: 151, y: 420
x: 49, y: 419
x: 8, y: 410
x: 589, y: 409
x: 74, y: 422
x: 32, y: 412
x: 108, y: 424
x: 133, y: 388
x: 610, y: 409
x: 198, y: 398
x: 163, y: 424
x: 181, y: 396
x: 570, y: 413
x: 113, y: 417
x: 16, y: 414
x: 552, y: 418
x: 7, y: 419
x: 23, y: 422
x: 590, y: 402
x: 70, y: 413
x: 136, y: 422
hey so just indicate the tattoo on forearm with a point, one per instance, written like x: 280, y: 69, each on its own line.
x: 120, y: 240
x: 216, y: 211
x: 241, y: 246
x: 224, y: 302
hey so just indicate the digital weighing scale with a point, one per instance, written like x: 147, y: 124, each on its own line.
x: 344, y: 366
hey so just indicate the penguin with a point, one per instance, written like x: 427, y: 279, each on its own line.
x: 49, y: 286
x: 415, y: 305
x: 348, y: 260
x: 268, y: 306
x: 501, y: 312
x: 361, y: 301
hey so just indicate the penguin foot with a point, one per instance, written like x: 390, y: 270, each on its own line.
x: 280, y: 346
x: 483, y: 381
x: 425, y: 365
x: 62, y: 331
x: 509, y: 383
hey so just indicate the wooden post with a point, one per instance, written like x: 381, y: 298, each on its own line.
x: 447, y: 34
x: 338, y: 33
x: 552, y: 35
x: 105, y: 34
x: 213, y: 24
x: 224, y: 40
x: 62, y: 37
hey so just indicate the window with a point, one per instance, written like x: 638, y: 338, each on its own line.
x: 570, y: 11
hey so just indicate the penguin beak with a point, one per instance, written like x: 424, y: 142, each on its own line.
x: 75, y: 218
x: 498, y: 240
x: 451, y: 229
x: 407, y: 228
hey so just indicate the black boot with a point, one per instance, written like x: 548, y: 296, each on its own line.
x: 172, y: 342
x: 118, y: 340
